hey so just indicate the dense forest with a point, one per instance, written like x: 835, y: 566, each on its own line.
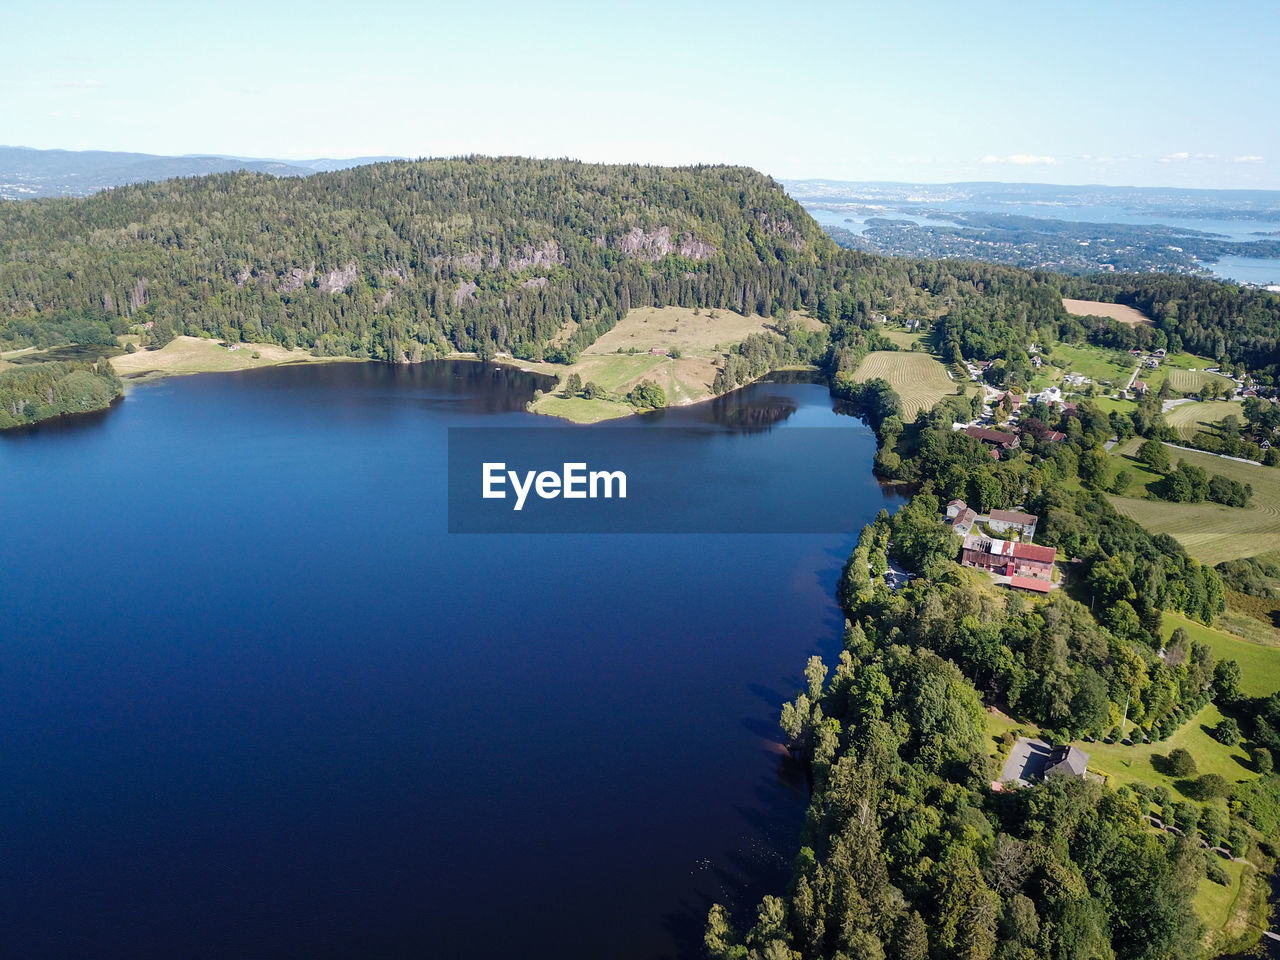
x: 42, y: 390
x: 907, y: 852
x: 405, y: 261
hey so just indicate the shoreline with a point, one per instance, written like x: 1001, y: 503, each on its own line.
x: 190, y: 356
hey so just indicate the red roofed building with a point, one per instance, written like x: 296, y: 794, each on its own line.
x: 1030, y: 583
x: 1030, y: 560
x: 1003, y: 558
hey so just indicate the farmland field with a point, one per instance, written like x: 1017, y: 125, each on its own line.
x: 1210, y: 532
x: 1190, y: 381
x: 1187, y: 418
x: 918, y: 378
x: 1095, y: 308
x: 1259, y: 662
x: 621, y: 358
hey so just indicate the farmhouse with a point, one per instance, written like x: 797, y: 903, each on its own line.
x: 1067, y: 761
x: 1032, y: 759
x: 997, y: 438
x: 1003, y: 521
x: 961, y: 517
x: 1003, y: 558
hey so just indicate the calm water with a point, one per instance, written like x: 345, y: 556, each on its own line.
x: 258, y: 703
x: 1247, y: 269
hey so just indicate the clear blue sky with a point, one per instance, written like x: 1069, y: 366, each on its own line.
x: 1142, y: 93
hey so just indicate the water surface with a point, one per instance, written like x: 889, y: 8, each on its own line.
x: 258, y: 703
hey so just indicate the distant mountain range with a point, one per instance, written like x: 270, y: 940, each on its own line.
x: 26, y: 173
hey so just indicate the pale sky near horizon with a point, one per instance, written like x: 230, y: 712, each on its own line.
x: 1130, y: 93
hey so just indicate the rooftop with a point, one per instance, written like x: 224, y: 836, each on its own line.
x: 1068, y: 760
x: 1013, y: 516
x: 992, y: 436
x: 1030, y: 583
x: 1031, y: 551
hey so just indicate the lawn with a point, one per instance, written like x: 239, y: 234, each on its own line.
x: 1210, y: 532
x: 1215, y: 903
x: 1187, y: 418
x: 1132, y: 764
x: 918, y: 378
x: 1111, y: 405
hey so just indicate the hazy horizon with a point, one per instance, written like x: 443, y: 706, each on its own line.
x: 935, y: 93
x: 814, y: 178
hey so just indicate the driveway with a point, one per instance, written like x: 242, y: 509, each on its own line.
x: 1026, y: 762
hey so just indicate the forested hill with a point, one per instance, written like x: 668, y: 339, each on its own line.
x: 405, y: 260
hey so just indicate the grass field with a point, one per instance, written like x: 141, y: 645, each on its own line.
x: 1259, y: 663
x: 580, y: 410
x: 918, y: 378
x: 1190, y: 381
x: 1187, y: 418
x: 701, y: 340
x: 7, y: 355
x: 902, y: 338
x: 1210, y: 532
x: 184, y: 355
x: 1095, y: 308
x: 1113, y: 367
x: 1217, y: 904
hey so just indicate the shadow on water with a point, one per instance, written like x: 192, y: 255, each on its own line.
x: 746, y: 875
x: 750, y: 413
x: 65, y: 425
x: 767, y: 694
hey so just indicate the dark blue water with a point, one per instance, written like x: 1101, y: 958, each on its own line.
x: 256, y: 702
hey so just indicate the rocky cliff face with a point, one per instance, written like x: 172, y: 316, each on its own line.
x: 656, y: 244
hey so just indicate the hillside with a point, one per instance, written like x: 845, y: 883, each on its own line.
x: 405, y: 260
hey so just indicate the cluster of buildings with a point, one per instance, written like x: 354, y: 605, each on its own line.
x: 1004, y: 441
x: 1016, y: 561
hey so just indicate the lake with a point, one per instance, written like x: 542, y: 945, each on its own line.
x: 258, y: 702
